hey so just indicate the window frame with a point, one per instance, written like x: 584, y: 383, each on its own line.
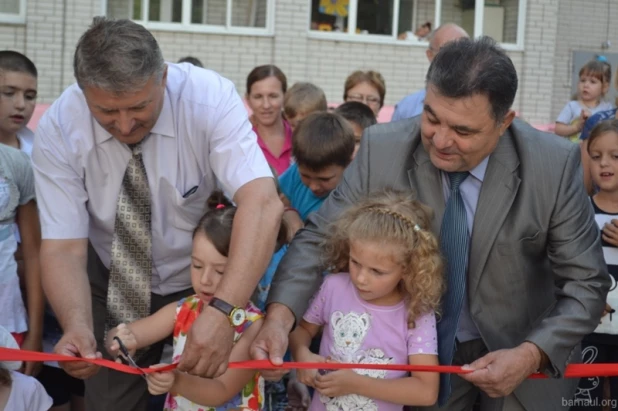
x: 185, y: 24
x: 352, y: 36
x: 15, y: 18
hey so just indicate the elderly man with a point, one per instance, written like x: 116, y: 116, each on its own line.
x: 525, y: 273
x: 125, y: 159
x: 412, y: 105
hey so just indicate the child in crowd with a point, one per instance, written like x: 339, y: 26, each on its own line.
x: 360, y: 117
x: 17, y: 205
x: 18, y: 88
x: 19, y: 391
x: 602, y: 345
x: 322, y: 145
x: 594, y: 80
x: 235, y: 388
x: 301, y: 100
x: 378, y: 308
x: 18, y: 91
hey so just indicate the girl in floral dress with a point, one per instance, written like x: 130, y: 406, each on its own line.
x: 235, y: 389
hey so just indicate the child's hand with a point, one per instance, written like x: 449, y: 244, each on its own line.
x: 307, y: 377
x: 336, y: 383
x: 32, y: 343
x: 160, y: 382
x: 126, y: 336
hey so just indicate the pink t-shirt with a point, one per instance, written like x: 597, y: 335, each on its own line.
x: 282, y: 162
x: 355, y: 331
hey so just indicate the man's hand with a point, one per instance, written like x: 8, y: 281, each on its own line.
x: 293, y: 223
x: 78, y: 342
x: 32, y: 343
x: 271, y: 344
x: 500, y: 372
x: 209, y: 344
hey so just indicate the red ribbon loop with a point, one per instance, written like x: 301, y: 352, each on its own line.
x: 572, y: 371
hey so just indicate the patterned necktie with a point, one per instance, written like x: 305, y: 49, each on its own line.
x: 454, y: 242
x: 128, y: 292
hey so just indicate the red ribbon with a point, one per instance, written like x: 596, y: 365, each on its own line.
x: 572, y: 370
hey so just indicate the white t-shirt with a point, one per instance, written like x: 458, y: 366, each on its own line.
x: 27, y: 394
x: 16, y: 189
x: 202, y: 137
x: 26, y: 141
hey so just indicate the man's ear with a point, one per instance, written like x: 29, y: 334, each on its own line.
x: 429, y: 54
x: 506, y: 122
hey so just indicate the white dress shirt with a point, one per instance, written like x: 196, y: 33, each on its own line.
x: 202, y: 139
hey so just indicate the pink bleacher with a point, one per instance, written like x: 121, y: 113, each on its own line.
x: 384, y: 117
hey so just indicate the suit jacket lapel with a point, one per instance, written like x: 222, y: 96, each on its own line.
x: 426, y: 180
x: 498, y: 192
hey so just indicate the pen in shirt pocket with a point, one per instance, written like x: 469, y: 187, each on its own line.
x: 188, y: 193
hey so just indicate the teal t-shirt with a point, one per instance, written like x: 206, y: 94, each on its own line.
x: 300, y: 196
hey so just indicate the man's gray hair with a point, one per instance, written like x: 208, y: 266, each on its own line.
x: 117, y: 55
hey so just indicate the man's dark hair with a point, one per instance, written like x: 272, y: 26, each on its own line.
x: 14, y: 61
x: 193, y: 60
x: 465, y: 67
x: 358, y: 113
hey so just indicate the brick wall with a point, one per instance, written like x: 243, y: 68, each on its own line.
x: 13, y: 37
x: 52, y: 31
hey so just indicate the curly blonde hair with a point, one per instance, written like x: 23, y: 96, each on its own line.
x: 394, y: 218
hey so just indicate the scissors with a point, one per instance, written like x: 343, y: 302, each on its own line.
x: 126, y: 358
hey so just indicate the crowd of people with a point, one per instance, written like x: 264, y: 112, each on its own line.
x: 152, y: 220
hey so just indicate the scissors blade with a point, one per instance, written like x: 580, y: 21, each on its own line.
x: 128, y: 358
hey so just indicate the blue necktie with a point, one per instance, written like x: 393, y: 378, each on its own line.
x: 454, y: 242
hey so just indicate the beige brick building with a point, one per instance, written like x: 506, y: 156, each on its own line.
x: 233, y: 36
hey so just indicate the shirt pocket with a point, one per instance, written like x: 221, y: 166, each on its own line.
x: 189, y: 207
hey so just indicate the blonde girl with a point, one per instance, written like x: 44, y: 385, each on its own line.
x: 378, y: 307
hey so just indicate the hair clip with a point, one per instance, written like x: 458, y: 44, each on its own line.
x: 602, y: 59
x: 417, y: 228
x: 219, y: 206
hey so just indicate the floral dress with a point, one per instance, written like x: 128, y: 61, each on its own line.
x: 251, y: 397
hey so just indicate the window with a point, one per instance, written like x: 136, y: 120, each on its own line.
x: 13, y: 11
x: 234, y: 16
x: 411, y: 21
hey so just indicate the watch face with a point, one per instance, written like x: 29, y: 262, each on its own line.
x: 238, y: 317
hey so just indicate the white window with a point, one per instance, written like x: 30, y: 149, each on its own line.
x: 253, y: 17
x: 410, y: 21
x: 13, y: 11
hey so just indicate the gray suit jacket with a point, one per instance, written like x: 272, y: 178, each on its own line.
x: 536, y: 270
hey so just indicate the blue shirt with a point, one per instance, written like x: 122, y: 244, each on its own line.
x: 470, y: 190
x: 263, y: 287
x: 596, y: 119
x: 410, y: 106
x: 300, y: 196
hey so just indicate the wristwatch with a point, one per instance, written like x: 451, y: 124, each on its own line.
x: 236, y: 315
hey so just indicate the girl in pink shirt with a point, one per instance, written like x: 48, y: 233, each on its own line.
x: 378, y: 309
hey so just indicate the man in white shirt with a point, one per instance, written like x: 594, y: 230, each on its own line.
x: 189, y: 132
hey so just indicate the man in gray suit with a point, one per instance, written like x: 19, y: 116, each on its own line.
x: 534, y: 278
